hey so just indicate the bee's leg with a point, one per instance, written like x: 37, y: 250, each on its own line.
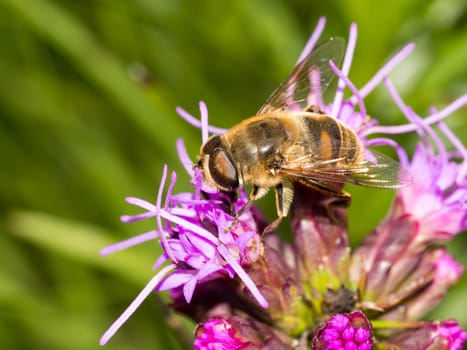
x: 364, y: 124
x: 342, y: 199
x: 314, y: 109
x: 284, y: 197
x: 228, y: 202
x: 339, y: 198
x: 256, y: 193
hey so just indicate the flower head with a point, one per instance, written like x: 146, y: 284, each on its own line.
x: 236, y: 333
x: 344, y: 331
x: 252, y: 291
x: 446, y: 335
x: 218, y: 333
x: 194, y: 241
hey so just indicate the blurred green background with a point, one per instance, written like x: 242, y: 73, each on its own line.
x: 87, y: 106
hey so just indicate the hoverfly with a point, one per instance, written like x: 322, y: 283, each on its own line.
x: 290, y: 140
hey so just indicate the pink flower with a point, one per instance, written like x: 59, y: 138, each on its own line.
x: 446, y: 335
x: 236, y: 333
x: 218, y: 334
x: 344, y: 331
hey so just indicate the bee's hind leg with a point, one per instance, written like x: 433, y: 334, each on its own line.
x: 337, y: 198
x: 341, y: 200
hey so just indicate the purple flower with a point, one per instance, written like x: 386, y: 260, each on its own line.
x: 217, y: 333
x: 236, y: 333
x: 194, y: 242
x: 437, y: 200
x: 417, y: 281
x: 344, y: 331
x: 251, y: 291
x: 446, y: 335
x: 394, y: 260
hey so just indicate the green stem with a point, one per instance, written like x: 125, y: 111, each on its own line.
x: 382, y: 324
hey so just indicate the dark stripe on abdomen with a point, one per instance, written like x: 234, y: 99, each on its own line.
x: 325, y: 136
x: 312, y: 132
x: 350, y: 145
x: 333, y: 129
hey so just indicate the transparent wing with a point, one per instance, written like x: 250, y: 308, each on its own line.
x: 376, y: 170
x: 309, y: 80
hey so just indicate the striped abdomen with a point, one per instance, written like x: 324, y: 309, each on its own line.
x: 329, y: 139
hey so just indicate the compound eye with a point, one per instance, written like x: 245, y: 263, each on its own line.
x: 223, y: 172
x: 211, y: 145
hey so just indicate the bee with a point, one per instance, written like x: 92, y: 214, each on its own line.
x: 290, y: 140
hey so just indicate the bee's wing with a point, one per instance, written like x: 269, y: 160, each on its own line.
x: 376, y: 170
x: 309, y: 80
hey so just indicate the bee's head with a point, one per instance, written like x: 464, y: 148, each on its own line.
x: 217, y: 166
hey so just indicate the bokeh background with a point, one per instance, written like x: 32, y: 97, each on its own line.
x: 87, y: 117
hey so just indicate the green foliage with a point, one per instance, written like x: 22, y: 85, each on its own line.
x: 87, y: 117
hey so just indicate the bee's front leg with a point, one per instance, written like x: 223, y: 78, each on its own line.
x: 256, y: 193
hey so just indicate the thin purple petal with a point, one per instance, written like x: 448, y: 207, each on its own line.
x: 141, y: 203
x: 175, y: 279
x: 382, y: 141
x: 189, y: 289
x: 204, y: 121
x: 313, y: 39
x: 405, y: 128
x: 384, y: 71
x: 132, y: 218
x: 462, y: 174
x: 165, y: 246
x: 349, y: 52
x: 135, y: 304
x: 196, y: 123
x: 243, y: 276
x: 351, y: 87
x: 190, y: 226
x: 131, y: 242
x: 184, y: 157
